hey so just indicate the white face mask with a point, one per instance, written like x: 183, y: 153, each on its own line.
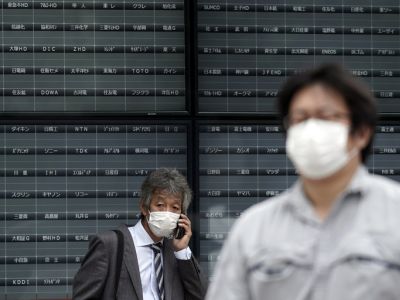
x: 318, y: 148
x: 163, y: 223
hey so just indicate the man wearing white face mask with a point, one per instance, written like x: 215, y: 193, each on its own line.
x: 335, y: 233
x: 154, y: 261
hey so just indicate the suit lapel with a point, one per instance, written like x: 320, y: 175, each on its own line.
x: 131, y: 262
x: 169, y: 264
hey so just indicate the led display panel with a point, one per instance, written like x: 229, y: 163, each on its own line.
x: 242, y: 163
x: 92, y: 56
x: 62, y: 183
x: 247, y: 48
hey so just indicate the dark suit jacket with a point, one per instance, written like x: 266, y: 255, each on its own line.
x: 96, y: 277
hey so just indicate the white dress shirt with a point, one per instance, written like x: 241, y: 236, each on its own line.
x: 145, y: 257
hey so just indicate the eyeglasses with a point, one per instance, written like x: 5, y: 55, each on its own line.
x: 299, y: 117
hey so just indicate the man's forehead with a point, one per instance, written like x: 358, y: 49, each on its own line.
x: 162, y: 194
x: 317, y: 97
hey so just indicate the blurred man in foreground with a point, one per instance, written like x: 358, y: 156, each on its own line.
x: 335, y: 233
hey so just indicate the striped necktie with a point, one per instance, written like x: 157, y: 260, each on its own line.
x: 159, y: 269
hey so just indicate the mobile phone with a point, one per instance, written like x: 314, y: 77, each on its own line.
x: 179, y: 232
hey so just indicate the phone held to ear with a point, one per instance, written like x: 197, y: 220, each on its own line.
x: 179, y: 232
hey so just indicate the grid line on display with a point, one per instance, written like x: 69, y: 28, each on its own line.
x: 314, y: 38
x: 64, y: 59
x: 229, y: 178
x: 97, y: 183
x: 154, y: 56
x: 372, y: 65
x: 66, y: 208
x: 94, y: 56
x: 343, y: 44
x: 227, y: 58
x: 126, y: 170
x: 33, y: 60
x: 125, y: 62
x: 5, y: 205
x: 36, y: 208
x: 3, y: 58
x: 256, y: 22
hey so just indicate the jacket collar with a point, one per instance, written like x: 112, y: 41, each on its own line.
x: 302, y: 206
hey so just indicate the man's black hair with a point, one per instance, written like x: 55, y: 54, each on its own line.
x: 357, y: 96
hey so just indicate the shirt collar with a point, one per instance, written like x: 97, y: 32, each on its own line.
x: 141, y: 237
x: 358, y: 182
x: 300, y: 202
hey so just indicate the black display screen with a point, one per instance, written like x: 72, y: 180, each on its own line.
x: 246, y: 49
x: 76, y: 61
x: 93, y: 56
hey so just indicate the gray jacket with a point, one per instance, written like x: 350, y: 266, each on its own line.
x: 280, y: 249
x: 96, y: 277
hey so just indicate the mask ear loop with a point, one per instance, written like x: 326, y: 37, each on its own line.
x: 354, y: 151
x: 148, y: 216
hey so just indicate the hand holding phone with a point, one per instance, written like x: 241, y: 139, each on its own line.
x: 183, y: 233
x: 179, y: 232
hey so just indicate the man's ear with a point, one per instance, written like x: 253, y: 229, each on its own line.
x: 362, y: 136
x: 143, y: 209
